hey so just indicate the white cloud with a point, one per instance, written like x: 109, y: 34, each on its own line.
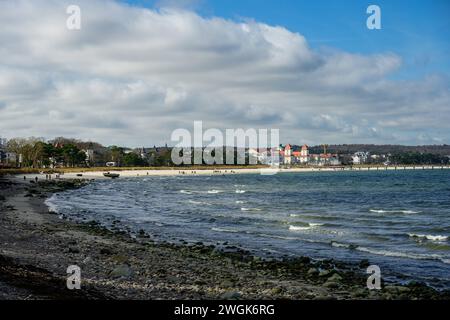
x: 132, y: 75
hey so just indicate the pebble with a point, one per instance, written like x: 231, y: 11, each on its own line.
x: 325, y: 273
x: 74, y: 250
x: 335, y: 278
x: 231, y: 295
x: 121, y: 271
x: 313, y: 272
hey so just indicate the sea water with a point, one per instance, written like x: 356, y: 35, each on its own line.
x: 399, y: 220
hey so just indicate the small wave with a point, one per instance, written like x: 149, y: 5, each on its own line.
x: 297, y: 228
x: 388, y: 253
x: 394, y: 211
x: 403, y: 255
x: 51, y: 206
x: 316, y: 224
x: 186, y: 192
x: 225, y: 230
x: 270, y: 250
x: 311, y: 224
x: 240, y: 191
x: 340, y: 245
x: 304, y: 226
x: 343, y: 245
x: 239, y: 202
x: 429, y: 237
x: 214, y: 191
x: 250, y: 209
x: 199, y: 202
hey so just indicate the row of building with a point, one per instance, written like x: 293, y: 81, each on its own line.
x: 301, y: 155
x: 293, y: 155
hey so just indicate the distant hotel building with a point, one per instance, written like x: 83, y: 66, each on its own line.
x: 291, y: 155
x: 294, y: 155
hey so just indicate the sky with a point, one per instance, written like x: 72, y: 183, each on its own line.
x: 137, y: 70
x: 342, y: 24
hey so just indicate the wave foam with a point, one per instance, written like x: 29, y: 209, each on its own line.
x: 316, y: 224
x: 429, y: 237
x: 199, y: 202
x: 225, y: 230
x: 343, y: 245
x: 403, y: 255
x: 308, y: 227
x: 51, y: 206
x: 250, y: 209
x: 394, y: 211
x: 214, y: 191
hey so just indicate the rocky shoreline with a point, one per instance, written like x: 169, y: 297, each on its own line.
x: 37, y: 246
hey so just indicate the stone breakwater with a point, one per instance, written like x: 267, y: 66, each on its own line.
x: 36, y: 246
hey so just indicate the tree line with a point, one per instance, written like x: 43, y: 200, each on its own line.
x: 411, y: 158
x: 37, y: 153
x: 443, y: 149
x: 66, y: 152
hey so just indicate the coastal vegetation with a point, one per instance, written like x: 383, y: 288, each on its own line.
x: 412, y: 158
x: 61, y: 154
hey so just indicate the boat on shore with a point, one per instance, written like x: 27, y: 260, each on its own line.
x: 111, y: 175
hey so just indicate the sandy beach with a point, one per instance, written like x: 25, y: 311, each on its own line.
x: 123, y: 172
x: 37, y: 246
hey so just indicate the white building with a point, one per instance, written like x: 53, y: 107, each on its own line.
x: 253, y: 155
x: 304, y: 154
x: 360, y: 157
x: 287, y: 155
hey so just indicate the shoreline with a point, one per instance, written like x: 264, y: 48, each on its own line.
x: 128, y: 173
x: 37, y: 246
